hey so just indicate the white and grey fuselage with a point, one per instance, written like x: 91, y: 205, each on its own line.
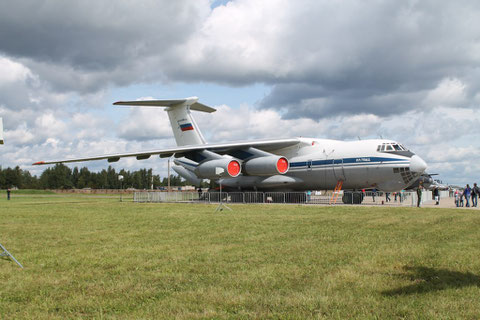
x: 318, y: 164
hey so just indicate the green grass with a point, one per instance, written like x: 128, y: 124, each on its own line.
x: 27, y: 191
x: 87, y: 257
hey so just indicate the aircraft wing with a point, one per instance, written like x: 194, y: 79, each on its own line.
x: 220, y: 148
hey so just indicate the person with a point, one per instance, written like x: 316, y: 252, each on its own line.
x: 8, y: 193
x: 475, y: 194
x: 387, y: 197
x: 309, y: 195
x: 374, y: 193
x: 466, y: 193
x: 436, y: 195
x: 457, y: 198
x: 419, y: 195
x: 395, y: 194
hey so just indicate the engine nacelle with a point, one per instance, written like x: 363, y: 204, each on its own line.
x: 218, y: 168
x: 187, y: 175
x: 266, y: 166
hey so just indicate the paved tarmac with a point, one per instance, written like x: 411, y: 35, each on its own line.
x: 444, y: 203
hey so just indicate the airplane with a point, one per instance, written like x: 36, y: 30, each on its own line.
x: 1, y: 131
x: 437, y: 184
x: 427, y: 182
x: 290, y: 164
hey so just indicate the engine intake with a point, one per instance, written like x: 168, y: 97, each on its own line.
x: 213, y: 169
x: 266, y: 166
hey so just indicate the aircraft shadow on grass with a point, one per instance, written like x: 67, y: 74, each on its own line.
x: 431, y: 279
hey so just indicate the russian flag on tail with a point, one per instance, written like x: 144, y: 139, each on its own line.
x: 186, y: 127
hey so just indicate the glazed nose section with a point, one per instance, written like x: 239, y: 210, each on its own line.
x: 417, y: 164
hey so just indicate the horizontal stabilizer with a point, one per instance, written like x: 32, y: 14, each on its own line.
x: 192, y: 102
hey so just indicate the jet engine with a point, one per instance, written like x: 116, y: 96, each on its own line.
x: 187, y: 175
x: 266, y: 166
x: 213, y: 169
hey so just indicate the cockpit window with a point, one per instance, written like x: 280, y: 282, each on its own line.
x: 395, y: 148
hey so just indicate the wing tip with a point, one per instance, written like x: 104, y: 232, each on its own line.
x: 38, y: 163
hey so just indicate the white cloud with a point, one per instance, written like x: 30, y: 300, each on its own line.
x: 11, y: 72
x: 337, y: 69
x: 145, y: 123
x: 450, y: 92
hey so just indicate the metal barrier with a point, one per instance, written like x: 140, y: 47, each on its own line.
x: 316, y: 197
x: 427, y: 196
x: 148, y: 196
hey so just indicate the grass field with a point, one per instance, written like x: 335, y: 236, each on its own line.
x: 89, y: 257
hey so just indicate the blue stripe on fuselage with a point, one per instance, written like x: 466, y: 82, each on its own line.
x: 357, y: 160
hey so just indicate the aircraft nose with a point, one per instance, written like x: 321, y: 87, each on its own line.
x: 417, y: 164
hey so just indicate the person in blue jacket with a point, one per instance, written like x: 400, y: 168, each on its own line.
x: 466, y: 193
x: 475, y: 194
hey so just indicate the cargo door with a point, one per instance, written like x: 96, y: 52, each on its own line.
x: 338, y: 170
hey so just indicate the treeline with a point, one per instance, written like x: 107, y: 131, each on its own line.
x: 62, y: 177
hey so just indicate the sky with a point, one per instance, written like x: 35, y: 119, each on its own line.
x: 402, y: 70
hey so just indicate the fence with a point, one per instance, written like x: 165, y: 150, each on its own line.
x: 325, y: 198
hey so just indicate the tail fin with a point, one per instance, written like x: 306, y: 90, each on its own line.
x: 185, y: 129
x: 1, y: 131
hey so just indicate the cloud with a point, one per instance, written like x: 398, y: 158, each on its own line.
x: 86, y: 45
x: 322, y: 58
x: 449, y: 92
x: 247, y: 122
x: 144, y: 123
x: 406, y: 70
x: 327, y: 58
x: 12, y: 72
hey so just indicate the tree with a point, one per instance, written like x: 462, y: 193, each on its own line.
x: 58, y: 177
x: 62, y: 177
x: 83, y: 178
